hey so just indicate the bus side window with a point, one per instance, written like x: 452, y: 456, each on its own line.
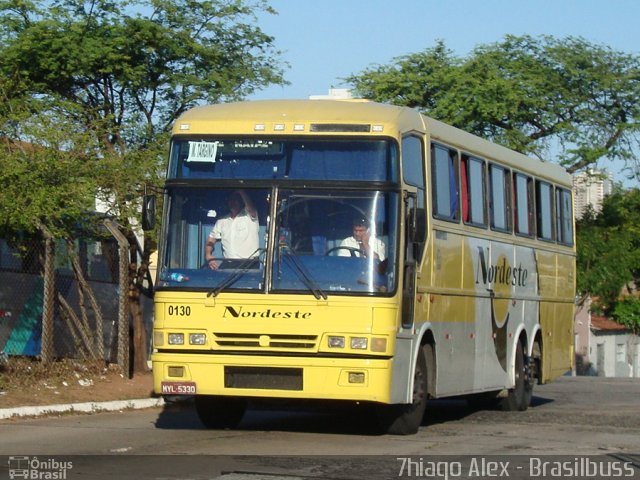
x: 544, y: 209
x: 564, y: 216
x: 444, y: 182
x: 523, y: 199
x: 499, y: 194
x: 413, y: 166
x: 474, y: 191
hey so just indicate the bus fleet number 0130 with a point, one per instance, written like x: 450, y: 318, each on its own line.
x: 179, y: 310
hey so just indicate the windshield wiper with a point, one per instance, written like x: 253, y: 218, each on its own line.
x: 302, y: 272
x: 243, y: 268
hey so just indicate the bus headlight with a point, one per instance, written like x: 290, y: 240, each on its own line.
x: 359, y: 343
x: 335, y: 342
x: 197, y: 339
x: 176, y: 339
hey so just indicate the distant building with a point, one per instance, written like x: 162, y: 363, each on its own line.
x: 603, y: 347
x: 615, y: 351
x: 590, y: 188
x: 334, y: 94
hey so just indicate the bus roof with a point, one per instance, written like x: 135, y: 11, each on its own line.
x: 242, y: 117
x: 280, y: 117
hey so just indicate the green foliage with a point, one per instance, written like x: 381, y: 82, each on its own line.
x: 126, y: 67
x: 48, y: 177
x: 627, y: 313
x: 608, y: 248
x: 605, y: 261
x: 526, y: 93
x: 107, y: 79
x: 417, y: 80
x: 89, y: 91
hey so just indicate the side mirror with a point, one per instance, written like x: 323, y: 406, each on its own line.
x: 149, y: 212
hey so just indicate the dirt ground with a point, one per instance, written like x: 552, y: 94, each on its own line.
x: 26, y: 382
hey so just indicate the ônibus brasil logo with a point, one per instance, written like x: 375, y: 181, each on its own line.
x: 34, y: 468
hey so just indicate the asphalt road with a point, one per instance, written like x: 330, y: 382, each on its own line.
x: 588, y: 418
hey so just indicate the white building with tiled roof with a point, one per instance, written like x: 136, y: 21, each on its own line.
x: 603, y: 347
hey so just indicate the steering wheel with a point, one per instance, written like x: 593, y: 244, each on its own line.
x: 352, y: 250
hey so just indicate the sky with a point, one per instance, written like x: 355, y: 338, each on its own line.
x: 324, y: 41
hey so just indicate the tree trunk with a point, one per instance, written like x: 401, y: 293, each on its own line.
x: 97, y: 350
x: 135, y: 276
x: 139, y: 332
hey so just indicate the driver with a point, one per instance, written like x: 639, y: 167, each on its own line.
x: 362, y: 243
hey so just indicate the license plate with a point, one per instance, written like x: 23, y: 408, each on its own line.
x: 178, y: 388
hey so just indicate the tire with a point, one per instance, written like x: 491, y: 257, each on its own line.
x: 406, y: 419
x: 220, y: 412
x: 519, y: 397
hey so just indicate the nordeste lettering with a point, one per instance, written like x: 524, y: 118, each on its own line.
x: 240, y: 312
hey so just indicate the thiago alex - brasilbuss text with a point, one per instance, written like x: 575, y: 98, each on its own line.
x: 578, y: 467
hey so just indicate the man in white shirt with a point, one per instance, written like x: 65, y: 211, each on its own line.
x: 238, y: 231
x: 362, y: 243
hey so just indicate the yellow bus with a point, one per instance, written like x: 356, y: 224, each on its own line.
x: 354, y: 251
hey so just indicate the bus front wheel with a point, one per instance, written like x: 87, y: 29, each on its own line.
x: 406, y: 419
x: 220, y: 412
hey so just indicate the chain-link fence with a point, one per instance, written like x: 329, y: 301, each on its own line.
x: 61, y: 298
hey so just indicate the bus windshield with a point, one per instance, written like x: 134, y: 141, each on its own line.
x: 310, y: 159
x: 324, y: 241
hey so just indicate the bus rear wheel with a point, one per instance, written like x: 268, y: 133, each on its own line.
x: 406, y: 419
x: 218, y: 412
x: 519, y: 397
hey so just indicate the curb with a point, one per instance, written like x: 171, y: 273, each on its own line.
x: 87, y: 407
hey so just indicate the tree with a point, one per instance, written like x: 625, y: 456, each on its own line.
x: 608, y: 248
x: 529, y: 94
x: 627, y: 313
x: 51, y: 165
x: 117, y: 73
x: 417, y: 80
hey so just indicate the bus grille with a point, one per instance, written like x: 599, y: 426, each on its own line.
x: 256, y: 341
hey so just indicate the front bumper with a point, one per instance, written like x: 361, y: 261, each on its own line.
x: 331, y: 378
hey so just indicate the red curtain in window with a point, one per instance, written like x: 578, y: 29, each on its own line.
x: 465, y: 190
